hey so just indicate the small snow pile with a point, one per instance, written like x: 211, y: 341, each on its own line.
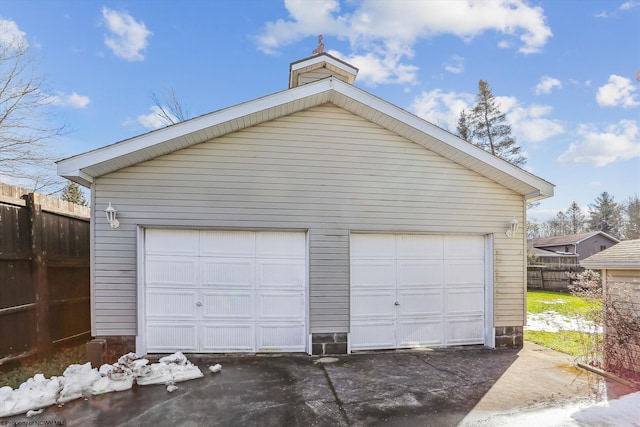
x: 215, y: 368
x: 83, y: 381
x: 550, y: 321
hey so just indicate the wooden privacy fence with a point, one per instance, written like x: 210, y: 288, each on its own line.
x: 44, y: 274
x: 551, y: 278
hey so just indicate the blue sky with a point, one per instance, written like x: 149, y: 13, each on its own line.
x: 563, y: 71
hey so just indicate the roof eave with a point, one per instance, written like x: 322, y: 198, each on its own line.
x: 84, y: 168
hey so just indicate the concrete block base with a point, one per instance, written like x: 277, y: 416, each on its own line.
x: 329, y: 343
x: 509, y: 337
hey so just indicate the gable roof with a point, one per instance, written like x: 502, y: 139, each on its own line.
x: 625, y: 254
x: 569, y: 239
x: 84, y: 168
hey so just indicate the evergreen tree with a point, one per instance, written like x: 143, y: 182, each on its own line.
x: 606, y: 215
x: 560, y: 225
x: 577, y: 220
x: 462, y: 128
x: 489, y: 128
x: 72, y: 193
x: 632, y: 223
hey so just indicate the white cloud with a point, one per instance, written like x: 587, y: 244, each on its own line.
x: 154, y: 120
x: 376, y: 70
x: 74, y: 100
x: 128, y: 38
x: 547, y: 84
x: 619, y: 91
x: 11, y: 36
x: 455, y: 64
x: 442, y: 108
x: 600, y: 148
x: 528, y: 123
x: 389, y: 30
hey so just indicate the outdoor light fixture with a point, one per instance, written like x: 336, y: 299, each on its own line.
x: 513, y: 227
x: 111, y: 216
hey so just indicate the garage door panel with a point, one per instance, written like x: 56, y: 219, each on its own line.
x: 177, y: 304
x: 171, y: 271
x: 464, y: 273
x: 228, y: 304
x: 227, y: 243
x: 465, y: 331
x: 172, y: 242
x: 227, y: 337
x: 280, y: 305
x: 438, y: 282
x: 373, y: 246
x: 372, y: 304
x: 419, y: 246
x: 170, y: 337
x: 373, y: 274
x: 288, y: 274
x: 225, y: 291
x: 463, y: 247
x: 281, y: 336
x: 228, y: 272
x: 379, y: 334
x: 281, y: 245
x: 420, y: 303
x: 420, y: 273
x: 417, y: 333
x: 465, y: 301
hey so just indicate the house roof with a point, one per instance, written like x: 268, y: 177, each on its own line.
x: 625, y: 255
x: 552, y: 254
x: 85, y: 168
x: 569, y: 239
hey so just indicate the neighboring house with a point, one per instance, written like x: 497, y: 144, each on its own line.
x: 620, y: 272
x: 319, y: 219
x: 583, y: 244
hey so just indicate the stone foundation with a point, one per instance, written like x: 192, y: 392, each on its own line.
x: 331, y: 343
x: 108, y: 349
x: 509, y: 337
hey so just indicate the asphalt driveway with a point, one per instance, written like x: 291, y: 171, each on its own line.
x: 448, y: 387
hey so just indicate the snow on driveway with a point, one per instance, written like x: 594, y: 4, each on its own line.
x: 82, y: 381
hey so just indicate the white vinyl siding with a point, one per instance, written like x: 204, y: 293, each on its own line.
x: 322, y: 170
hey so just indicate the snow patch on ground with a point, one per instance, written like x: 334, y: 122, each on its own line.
x: 623, y: 412
x: 550, y: 321
x: 83, y: 381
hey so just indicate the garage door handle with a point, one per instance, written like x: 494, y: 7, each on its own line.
x: 396, y: 303
x: 199, y: 304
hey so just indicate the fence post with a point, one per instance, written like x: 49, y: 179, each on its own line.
x: 39, y: 276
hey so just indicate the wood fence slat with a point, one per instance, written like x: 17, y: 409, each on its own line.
x: 44, y: 274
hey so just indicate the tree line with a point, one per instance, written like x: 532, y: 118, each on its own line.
x: 618, y: 219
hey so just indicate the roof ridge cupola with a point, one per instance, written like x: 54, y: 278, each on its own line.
x: 320, y: 66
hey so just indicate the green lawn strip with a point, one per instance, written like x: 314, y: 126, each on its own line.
x: 575, y: 343
x: 569, y: 342
x: 55, y: 366
x: 565, y: 304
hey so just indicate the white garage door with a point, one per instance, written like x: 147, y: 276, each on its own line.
x: 416, y: 290
x: 224, y: 291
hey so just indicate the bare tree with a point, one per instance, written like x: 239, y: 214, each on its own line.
x: 25, y: 127
x: 169, y: 109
